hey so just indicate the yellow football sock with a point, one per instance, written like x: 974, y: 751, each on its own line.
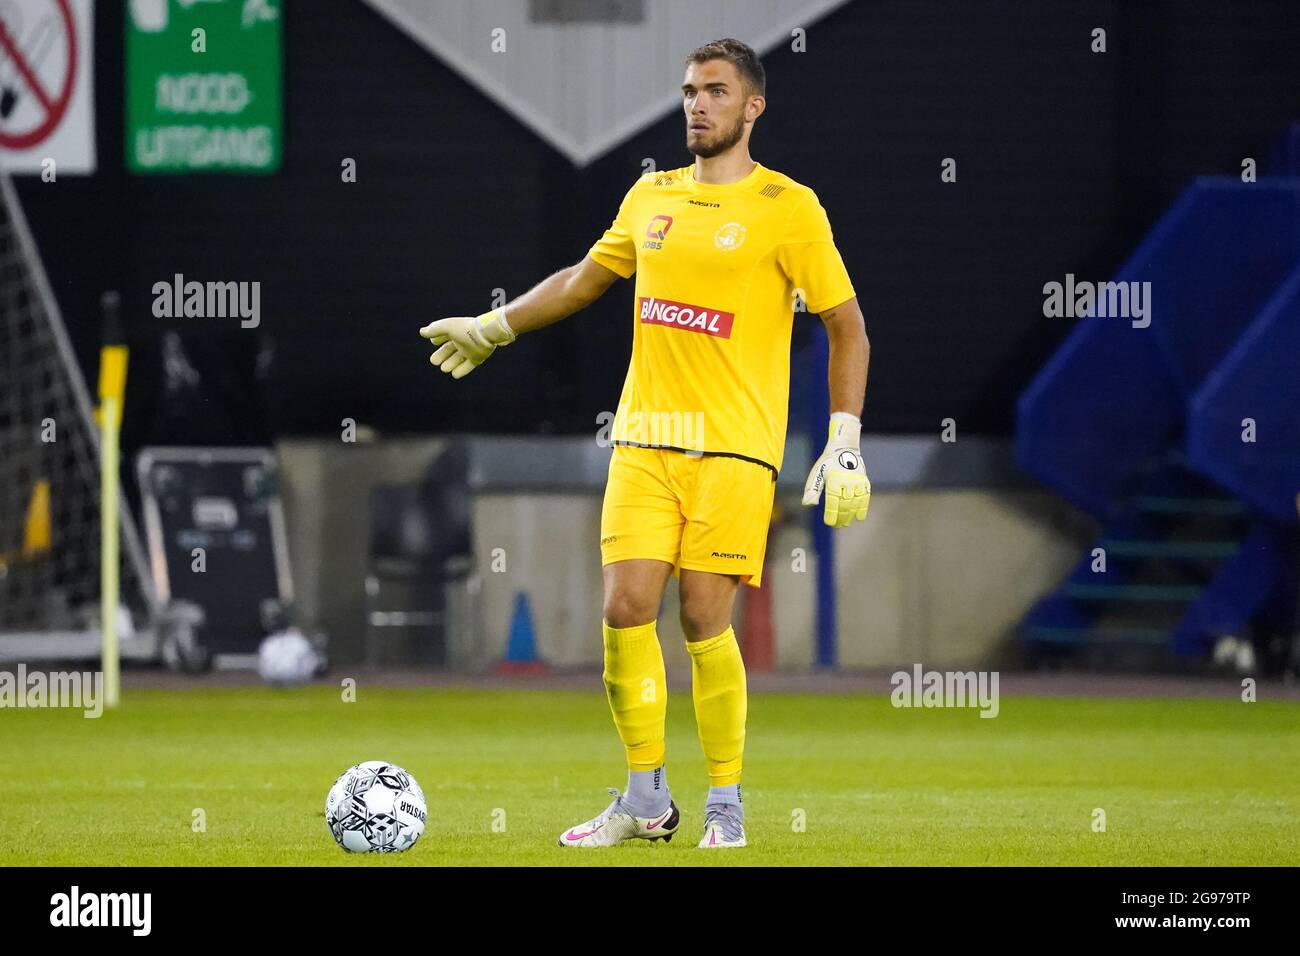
x: 637, y: 691
x: 718, y: 686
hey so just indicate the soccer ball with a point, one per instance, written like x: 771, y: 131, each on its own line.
x: 286, y: 658
x: 375, y: 807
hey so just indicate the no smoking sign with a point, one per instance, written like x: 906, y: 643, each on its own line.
x: 46, y: 107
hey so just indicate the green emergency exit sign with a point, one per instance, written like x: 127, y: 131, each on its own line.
x: 203, y: 81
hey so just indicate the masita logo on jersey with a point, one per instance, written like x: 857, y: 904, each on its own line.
x: 681, y: 315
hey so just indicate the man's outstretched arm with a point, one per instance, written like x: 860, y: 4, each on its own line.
x: 465, y: 342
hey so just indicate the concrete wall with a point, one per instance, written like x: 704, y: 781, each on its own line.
x: 939, y: 576
x: 943, y: 577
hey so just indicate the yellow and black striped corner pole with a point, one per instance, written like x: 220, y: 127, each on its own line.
x: 112, y: 390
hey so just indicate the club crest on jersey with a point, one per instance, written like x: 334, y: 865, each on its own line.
x: 656, y: 231
x: 680, y: 315
x: 730, y: 237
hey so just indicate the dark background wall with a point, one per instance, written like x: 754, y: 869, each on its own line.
x: 1065, y: 158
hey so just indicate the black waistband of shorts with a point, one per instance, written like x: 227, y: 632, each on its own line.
x: 702, y: 454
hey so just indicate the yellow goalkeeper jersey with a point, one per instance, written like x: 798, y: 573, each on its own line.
x: 718, y: 270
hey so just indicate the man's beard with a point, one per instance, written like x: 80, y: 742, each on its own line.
x: 721, y: 145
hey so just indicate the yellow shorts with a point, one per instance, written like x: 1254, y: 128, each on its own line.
x: 701, y: 512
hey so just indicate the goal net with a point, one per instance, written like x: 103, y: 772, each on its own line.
x: 49, y: 475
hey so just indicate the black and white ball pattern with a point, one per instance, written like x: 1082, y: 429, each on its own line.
x: 376, y: 807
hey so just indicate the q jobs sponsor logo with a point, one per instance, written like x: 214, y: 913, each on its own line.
x: 656, y: 232
x: 681, y: 315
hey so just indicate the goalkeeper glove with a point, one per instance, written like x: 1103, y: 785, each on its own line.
x: 466, y: 342
x: 841, y: 473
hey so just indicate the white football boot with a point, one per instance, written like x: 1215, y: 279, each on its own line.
x: 616, y: 824
x: 724, y: 826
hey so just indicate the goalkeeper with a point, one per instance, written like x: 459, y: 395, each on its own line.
x: 722, y: 250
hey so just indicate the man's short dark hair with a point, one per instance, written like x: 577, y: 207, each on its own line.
x: 741, y: 56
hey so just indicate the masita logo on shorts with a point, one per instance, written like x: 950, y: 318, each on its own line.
x: 680, y: 315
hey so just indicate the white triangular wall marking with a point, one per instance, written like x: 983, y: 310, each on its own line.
x: 586, y: 87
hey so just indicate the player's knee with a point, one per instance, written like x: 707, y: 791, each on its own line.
x: 626, y: 608
x: 702, y: 620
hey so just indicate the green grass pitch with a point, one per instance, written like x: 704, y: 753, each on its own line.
x: 1182, y: 782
